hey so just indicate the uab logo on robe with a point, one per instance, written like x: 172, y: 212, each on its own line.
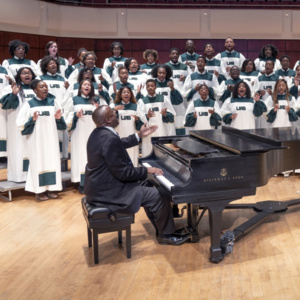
x: 44, y: 113
x: 241, y: 108
x: 54, y: 86
x: 203, y: 114
x: 164, y: 93
x: 125, y: 117
x: 87, y: 112
x: 176, y: 76
x: 155, y: 109
x: 282, y: 107
x: 267, y: 87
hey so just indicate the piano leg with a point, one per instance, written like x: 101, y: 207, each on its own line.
x: 192, y: 222
x: 215, y: 221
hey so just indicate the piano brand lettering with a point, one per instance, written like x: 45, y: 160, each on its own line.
x: 155, y: 109
x: 223, y: 179
x: 125, y: 117
x: 54, y: 85
x: 203, y: 113
x: 240, y: 108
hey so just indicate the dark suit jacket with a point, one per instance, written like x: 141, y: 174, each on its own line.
x: 110, y: 177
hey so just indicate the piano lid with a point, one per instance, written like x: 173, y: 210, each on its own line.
x: 242, y: 141
x: 194, y: 147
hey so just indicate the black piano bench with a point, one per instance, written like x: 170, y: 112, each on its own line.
x: 101, y: 220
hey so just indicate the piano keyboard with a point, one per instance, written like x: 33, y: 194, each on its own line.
x: 168, y: 179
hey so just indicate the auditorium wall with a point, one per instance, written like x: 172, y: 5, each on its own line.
x: 37, y: 22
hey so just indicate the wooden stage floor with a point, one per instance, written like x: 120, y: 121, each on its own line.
x: 44, y: 255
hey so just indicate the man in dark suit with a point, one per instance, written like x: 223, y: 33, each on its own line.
x: 111, y: 180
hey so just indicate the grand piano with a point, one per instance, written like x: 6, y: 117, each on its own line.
x: 208, y: 169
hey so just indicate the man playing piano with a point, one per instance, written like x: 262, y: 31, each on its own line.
x: 112, y: 181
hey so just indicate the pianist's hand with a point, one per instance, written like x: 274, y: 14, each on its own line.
x: 146, y: 130
x: 155, y: 171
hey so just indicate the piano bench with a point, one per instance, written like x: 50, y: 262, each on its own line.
x: 101, y: 220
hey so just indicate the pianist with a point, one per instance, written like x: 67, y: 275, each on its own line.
x: 112, y: 181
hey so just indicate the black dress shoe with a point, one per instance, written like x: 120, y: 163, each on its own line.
x: 172, y: 239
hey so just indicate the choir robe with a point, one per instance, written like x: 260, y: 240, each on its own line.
x: 246, y: 108
x: 128, y: 125
x: 113, y: 72
x: 56, y: 87
x: 3, y: 118
x: 17, y: 163
x: 165, y: 123
x: 44, y: 173
x: 12, y: 65
x: 147, y: 69
x: 81, y: 129
x: 261, y: 62
x: 281, y: 118
x: 204, y: 119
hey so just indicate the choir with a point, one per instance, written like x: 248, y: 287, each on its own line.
x: 43, y: 106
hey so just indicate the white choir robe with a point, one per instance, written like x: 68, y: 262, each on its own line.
x: 80, y: 128
x: 127, y: 126
x: 164, y: 129
x: 44, y: 173
x: 17, y: 155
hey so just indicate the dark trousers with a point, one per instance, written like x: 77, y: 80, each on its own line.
x: 158, y: 210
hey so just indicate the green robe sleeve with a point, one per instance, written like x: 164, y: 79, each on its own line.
x: 169, y: 118
x: 227, y: 119
x: 28, y: 127
x: 190, y: 121
x: 9, y: 101
x: 259, y: 108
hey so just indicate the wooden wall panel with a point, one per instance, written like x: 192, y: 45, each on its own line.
x: 159, y: 45
x: 135, y: 47
x: 256, y: 45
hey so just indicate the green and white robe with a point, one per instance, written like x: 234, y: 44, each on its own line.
x: 204, y: 119
x: 148, y: 69
x: 128, y: 125
x: 165, y: 123
x: 12, y: 65
x: 44, y: 172
x: 81, y: 129
x: 17, y: 162
x: 3, y: 118
x: 232, y: 58
x: 57, y: 89
x: 260, y: 63
x: 113, y: 72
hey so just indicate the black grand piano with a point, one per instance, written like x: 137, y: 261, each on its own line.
x: 208, y: 169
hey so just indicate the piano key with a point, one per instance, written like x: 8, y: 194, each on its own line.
x: 163, y: 180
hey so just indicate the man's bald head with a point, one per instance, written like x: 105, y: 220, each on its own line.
x: 105, y: 116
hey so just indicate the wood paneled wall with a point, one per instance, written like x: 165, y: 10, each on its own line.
x: 135, y: 47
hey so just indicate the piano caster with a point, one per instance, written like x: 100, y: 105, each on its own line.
x: 216, y: 255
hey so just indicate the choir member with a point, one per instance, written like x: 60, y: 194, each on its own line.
x: 13, y: 98
x: 266, y: 53
x: 151, y: 57
x: 38, y: 120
